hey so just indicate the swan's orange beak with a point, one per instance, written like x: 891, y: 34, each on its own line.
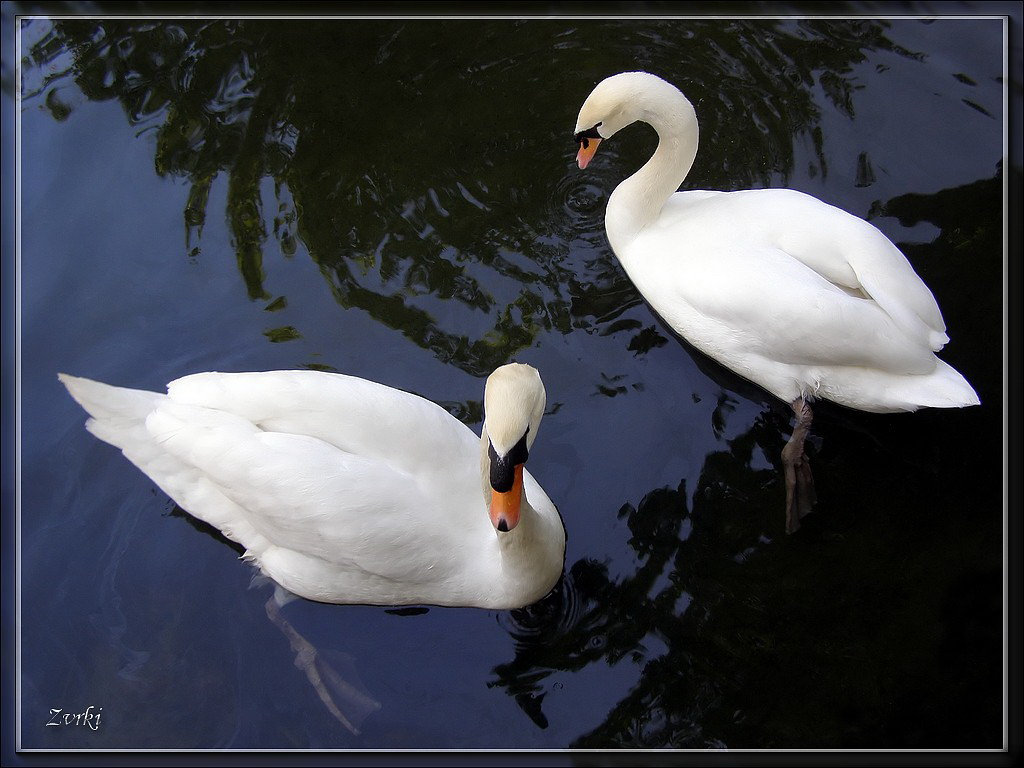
x: 505, y: 506
x: 588, y: 148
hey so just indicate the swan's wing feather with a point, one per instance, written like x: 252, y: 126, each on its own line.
x: 908, y: 301
x: 355, y: 415
x: 851, y: 252
x: 762, y: 301
x: 842, y: 248
x: 300, y: 492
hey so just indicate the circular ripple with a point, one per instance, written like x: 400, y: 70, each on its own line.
x: 583, y: 202
x: 547, y: 619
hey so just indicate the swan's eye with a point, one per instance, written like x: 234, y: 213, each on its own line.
x: 503, y: 467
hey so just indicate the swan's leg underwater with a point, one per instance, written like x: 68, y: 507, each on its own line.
x: 800, y: 496
x: 334, y: 691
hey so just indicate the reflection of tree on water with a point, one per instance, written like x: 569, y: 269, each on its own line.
x: 672, y: 600
x: 831, y: 638
x: 450, y: 223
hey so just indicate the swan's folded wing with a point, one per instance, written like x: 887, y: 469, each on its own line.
x: 909, y: 303
x: 848, y: 250
x: 299, y: 492
x: 352, y: 414
x: 762, y: 301
x: 840, y: 247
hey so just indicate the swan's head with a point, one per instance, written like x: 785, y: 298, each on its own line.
x: 621, y: 100
x: 514, y: 401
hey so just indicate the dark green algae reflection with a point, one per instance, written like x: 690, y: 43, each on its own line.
x: 469, y: 231
x: 458, y: 226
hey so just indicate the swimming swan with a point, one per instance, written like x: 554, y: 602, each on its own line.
x: 797, y: 296
x: 343, y: 490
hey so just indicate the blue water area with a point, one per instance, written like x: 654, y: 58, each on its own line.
x: 398, y: 199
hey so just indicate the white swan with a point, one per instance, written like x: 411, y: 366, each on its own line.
x: 348, y: 491
x: 802, y: 298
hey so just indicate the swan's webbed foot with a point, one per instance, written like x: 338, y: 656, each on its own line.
x: 800, y: 496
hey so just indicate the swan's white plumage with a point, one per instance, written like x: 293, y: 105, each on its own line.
x: 790, y: 292
x: 341, y: 489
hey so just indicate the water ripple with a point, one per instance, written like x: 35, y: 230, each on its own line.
x: 546, y: 620
x: 583, y: 200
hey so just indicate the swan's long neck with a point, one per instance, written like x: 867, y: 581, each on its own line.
x: 528, y: 551
x: 637, y: 201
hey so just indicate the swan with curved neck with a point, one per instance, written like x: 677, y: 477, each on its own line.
x: 800, y: 297
x: 343, y: 490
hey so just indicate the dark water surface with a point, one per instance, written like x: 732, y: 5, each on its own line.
x: 399, y: 200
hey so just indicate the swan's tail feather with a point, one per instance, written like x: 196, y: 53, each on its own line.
x: 122, y: 417
x: 883, y: 392
x: 116, y: 413
x: 947, y: 388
